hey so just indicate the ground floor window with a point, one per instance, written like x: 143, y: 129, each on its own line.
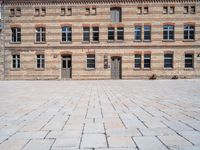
x: 137, y: 60
x: 16, y: 61
x: 168, y: 60
x: 40, y: 61
x: 147, y: 60
x: 91, y: 61
x: 189, y: 60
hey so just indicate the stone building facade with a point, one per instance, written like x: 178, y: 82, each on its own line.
x: 102, y: 39
x: 1, y: 43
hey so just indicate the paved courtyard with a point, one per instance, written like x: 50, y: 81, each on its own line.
x: 100, y: 115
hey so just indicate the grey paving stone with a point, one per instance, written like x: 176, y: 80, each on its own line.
x: 70, y: 143
x: 43, y: 144
x: 94, y: 141
x: 30, y: 135
x: 147, y: 143
x: 120, y: 142
x: 13, y: 144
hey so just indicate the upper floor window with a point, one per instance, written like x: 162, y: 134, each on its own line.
x: 90, y: 61
x: 87, y: 11
x: 189, y: 9
x: 189, y: 32
x: 143, y: 10
x: 94, y: 11
x: 40, y: 61
x: 116, y: 14
x: 62, y: 11
x: 120, y: 33
x: 147, y: 60
x: 95, y: 33
x: 147, y: 33
x: 168, y: 9
x: 138, y: 60
x: 16, y: 61
x: 40, y: 12
x: 66, y: 34
x: 15, y: 12
x: 168, y: 60
x: 138, y: 33
x: 69, y: 11
x: 16, y: 34
x: 111, y: 33
x: 168, y: 32
x: 86, y: 34
x: 40, y: 34
x: 189, y: 60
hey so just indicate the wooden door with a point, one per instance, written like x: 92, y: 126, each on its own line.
x: 66, y: 67
x: 116, y: 67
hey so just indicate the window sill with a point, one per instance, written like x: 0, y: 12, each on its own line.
x: 40, y: 43
x: 13, y: 69
x: 146, y: 69
x: 120, y: 41
x: 147, y: 41
x: 137, y: 41
x: 111, y: 41
x: 95, y: 42
x: 85, y: 42
x: 90, y: 69
x: 39, y: 69
x: 15, y: 42
x: 189, y: 40
x: 65, y: 42
x: 189, y: 69
x: 168, y: 69
x: 137, y: 69
x: 168, y: 40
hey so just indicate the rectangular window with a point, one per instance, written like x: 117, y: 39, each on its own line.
x: 116, y: 15
x: 12, y: 12
x: 186, y: 9
x: 40, y: 61
x: 94, y: 11
x: 146, y: 10
x: 138, y: 60
x: 165, y: 10
x: 69, y: 11
x: 192, y: 10
x: 120, y: 33
x: 189, y: 62
x: 37, y: 11
x: 66, y: 34
x: 40, y: 34
x: 168, y: 32
x: 18, y: 12
x: 147, y: 60
x: 111, y: 33
x: 138, y: 33
x: 15, y: 61
x: 91, y: 61
x: 43, y: 12
x: 86, y: 34
x: 95, y: 31
x: 62, y: 11
x: 147, y: 33
x: 139, y: 10
x: 16, y: 35
x: 168, y: 60
x: 189, y: 32
x: 87, y: 11
x: 171, y: 9
x: 105, y: 61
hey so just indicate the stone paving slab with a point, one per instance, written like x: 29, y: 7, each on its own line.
x: 100, y: 115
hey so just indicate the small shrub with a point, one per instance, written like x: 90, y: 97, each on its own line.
x: 153, y: 77
x: 175, y: 77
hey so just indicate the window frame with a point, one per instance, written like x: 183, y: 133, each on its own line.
x: 91, y: 57
x: 189, y: 63
x: 120, y: 33
x: 40, y: 61
x: 166, y: 32
x: 147, y: 61
x: 138, y: 30
x: 187, y: 32
x: 112, y: 31
x: 168, y: 61
x: 147, y: 33
x: 116, y: 14
x: 138, y: 61
x: 16, y: 61
x: 16, y: 35
x: 86, y: 34
x: 41, y: 33
x: 68, y: 34
x: 95, y: 34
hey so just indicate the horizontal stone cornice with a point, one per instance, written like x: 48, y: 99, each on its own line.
x: 14, y: 2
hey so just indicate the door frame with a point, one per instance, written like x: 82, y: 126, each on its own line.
x: 69, y: 56
x: 120, y: 66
